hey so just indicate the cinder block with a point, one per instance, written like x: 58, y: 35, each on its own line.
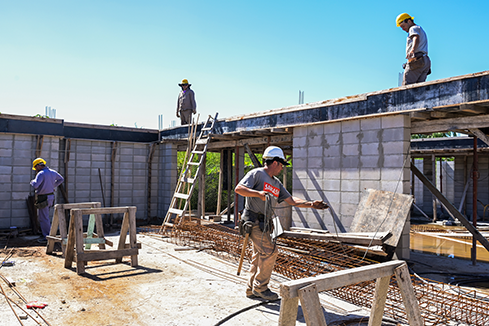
x: 350, y: 126
x: 333, y: 151
x: 370, y: 124
x: 6, y: 152
x: 299, y: 142
x: 350, y: 174
x: 19, y: 195
x: 371, y: 136
x: 332, y: 139
x: 140, y: 159
x: 300, y: 152
x: 392, y: 174
x: 353, y: 149
x: 347, y: 210
x: 300, y: 132
x: 331, y: 185
x: 369, y: 184
x: 352, y: 137
x: 395, y: 121
x: 351, y: 162
x: 392, y: 161
x: 316, y: 141
x: 21, y: 144
x: 396, y: 134
x: 299, y: 163
x: 5, y: 179
x: 331, y: 128
x: 330, y: 163
x: 350, y: 185
x: 395, y: 147
x: 315, y: 130
x: 314, y: 152
x: 369, y: 173
x: 371, y: 149
x: 332, y: 174
x: 314, y: 163
x: 332, y: 196
x: 126, y: 151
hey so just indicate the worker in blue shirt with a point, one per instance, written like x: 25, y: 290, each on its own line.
x: 44, y: 183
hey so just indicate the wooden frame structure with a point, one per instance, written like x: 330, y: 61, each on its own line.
x: 75, y: 248
x: 59, y: 220
x: 306, y: 290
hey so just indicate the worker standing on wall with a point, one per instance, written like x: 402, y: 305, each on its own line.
x: 418, y: 66
x: 263, y: 191
x: 186, y: 103
x: 45, y: 182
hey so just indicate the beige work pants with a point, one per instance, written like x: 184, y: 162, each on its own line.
x: 263, y: 259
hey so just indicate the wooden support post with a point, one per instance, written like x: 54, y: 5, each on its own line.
x: 288, y: 311
x: 407, y: 292
x: 311, y: 307
x: 433, y: 178
x: 219, y: 189
x: 378, y: 305
x: 230, y: 181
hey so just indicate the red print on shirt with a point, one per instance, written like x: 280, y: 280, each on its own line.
x: 271, y: 189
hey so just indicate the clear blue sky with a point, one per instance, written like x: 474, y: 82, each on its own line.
x: 104, y: 62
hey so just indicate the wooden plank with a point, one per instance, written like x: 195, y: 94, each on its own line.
x: 431, y: 126
x: 340, y: 278
x: 341, y: 237
x: 104, y: 210
x: 78, y: 219
x: 252, y: 156
x: 252, y: 141
x: 92, y: 255
x: 449, y: 206
x: 407, y: 292
x: 78, y: 205
x: 311, y: 307
x: 132, y: 235
x: 378, y: 305
x: 382, y: 211
x: 288, y: 311
x: 70, y: 246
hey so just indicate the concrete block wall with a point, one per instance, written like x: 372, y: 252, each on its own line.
x: 16, y: 155
x: 336, y: 161
x: 167, y: 177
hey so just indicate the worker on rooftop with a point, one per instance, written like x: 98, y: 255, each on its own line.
x: 263, y: 191
x: 418, y: 66
x: 44, y: 183
x: 186, y: 103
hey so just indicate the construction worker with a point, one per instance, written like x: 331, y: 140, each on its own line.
x: 186, y: 103
x: 263, y: 191
x: 418, y: 66
x: 44, y: 183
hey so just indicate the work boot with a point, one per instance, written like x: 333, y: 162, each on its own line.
x: 267, y: 295
x: 42, y: 240
x: 249, y: 294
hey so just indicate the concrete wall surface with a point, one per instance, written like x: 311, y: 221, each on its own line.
x: 336, y: 161
x: 87, y: 173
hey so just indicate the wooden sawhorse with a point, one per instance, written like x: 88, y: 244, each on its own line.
x: 307, y: 289
x: 75, y: 248
x: 59, y: 219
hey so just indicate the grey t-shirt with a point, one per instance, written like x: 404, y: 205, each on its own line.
x: 258, y: 179
x: 423, y: 40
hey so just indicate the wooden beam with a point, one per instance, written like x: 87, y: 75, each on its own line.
x: 251, y: 142
x: 479, y: 134
x: 420, y: 115
x: 442, y: 125
x: 452, y: 209
x: 473, y: 108
x: 252, y: 156
x: 342, y: 278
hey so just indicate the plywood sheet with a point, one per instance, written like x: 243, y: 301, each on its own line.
x: 382, y: 211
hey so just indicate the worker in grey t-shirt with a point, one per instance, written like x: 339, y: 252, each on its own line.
x: 260, y: 186
x: 418, y: 66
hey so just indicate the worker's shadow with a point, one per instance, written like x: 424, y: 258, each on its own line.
x: 123, y: 269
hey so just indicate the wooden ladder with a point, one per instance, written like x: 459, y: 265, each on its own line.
x: 186, y: 181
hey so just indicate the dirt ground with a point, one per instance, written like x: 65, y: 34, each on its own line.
x: 169, y: 287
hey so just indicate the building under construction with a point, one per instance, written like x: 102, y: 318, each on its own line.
x: 340, y: 151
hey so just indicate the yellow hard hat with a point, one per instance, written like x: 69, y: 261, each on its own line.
x: 38, y: 161
x: 402, y: 17
x: 184, y: 82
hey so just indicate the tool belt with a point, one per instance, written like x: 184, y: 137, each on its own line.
x: 417, y: 62
x: 41, y: 201
x: 249, y: 218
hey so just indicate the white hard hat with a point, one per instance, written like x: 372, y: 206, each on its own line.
x: 274, y: 152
